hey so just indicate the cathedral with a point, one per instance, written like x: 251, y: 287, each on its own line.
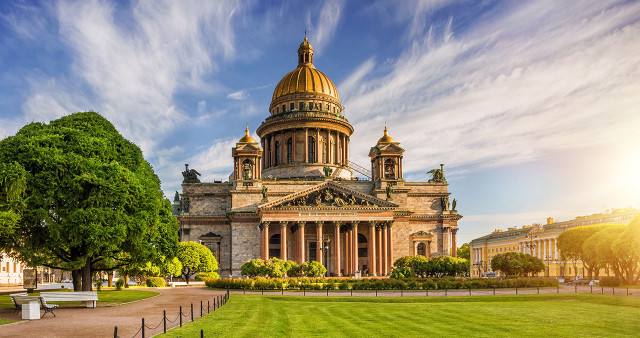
x: 294, y: 194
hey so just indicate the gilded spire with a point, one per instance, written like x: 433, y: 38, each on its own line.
x: 386, y: 138
x: 305, y: 53
x: 247, y: 138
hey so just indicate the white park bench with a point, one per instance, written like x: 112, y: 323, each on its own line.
x: 88, y: 297
x: 30, y: 306
x: 174, y: 284
x: 18, y: 307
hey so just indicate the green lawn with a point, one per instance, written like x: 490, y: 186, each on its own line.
x: 105, y: 298
x: 6, y: 321
x: 567, y: 315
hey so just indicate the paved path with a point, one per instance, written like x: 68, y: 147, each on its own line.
x: 99, y: 322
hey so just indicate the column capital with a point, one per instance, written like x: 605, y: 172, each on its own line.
x: 264, y: 225
x: 319, y: 224
x: 283, y: 224
x: 372, y: 223
x: 454, y: 230
x: 389, y: 223
x: 337, y: 224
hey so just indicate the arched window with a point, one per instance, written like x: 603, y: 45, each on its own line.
x: 312, y: 149
x: 291, y: 106
x: 274, y: 246
x: 389, y: 169
x: 247, y: 169
x: 289, y: 150
x: 277, y: 161
x: 422, y: 249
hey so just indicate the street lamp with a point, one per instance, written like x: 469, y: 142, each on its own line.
x: 325, y: 250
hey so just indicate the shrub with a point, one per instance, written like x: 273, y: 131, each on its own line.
x: 312, y: 269
x: 119, y: 284
x: 203, y: 276
x: 610, y: 281
x: 155, y: 282
x: 402, y: 272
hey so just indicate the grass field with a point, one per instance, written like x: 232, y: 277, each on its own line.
x: 6, y: 321
x: 105, y: 298
x: 567, y: 315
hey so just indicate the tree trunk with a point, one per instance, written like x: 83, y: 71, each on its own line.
x: 110, y: 278
x: 126, y: 281
x: 76, y: 276
x: 86, y: 276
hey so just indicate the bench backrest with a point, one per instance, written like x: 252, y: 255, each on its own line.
x: 69, y: 296
x: 16, y: 294
x: 22, y: 299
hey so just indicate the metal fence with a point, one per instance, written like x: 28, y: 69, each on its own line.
x: 167, y: 323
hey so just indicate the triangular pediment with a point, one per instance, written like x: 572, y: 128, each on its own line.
x: 242, y: 147
x: 421, y: 234
x: 329, y: 195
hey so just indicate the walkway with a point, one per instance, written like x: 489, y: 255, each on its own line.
x: 99, y: 322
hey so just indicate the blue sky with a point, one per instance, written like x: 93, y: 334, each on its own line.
x: 533, y: 106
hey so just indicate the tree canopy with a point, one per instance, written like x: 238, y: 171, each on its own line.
x: 571, y: 246
x: 93, y: 200
x: 420, y: 266
x: 516, y: 264
x: 464, y: 251
x: 195, y: 258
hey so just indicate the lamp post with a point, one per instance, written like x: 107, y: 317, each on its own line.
x: 325, y: 253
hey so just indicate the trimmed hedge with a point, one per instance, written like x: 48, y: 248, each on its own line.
x: 203, y: 276
x: 155, y: 282
x: 260, y: 283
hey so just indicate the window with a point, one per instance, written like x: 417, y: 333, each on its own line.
x: 389, y: 169
x: 247, y: 170
x: 319, y: 106
x: 310, y: 105
x: 312, y: 149
x: 289, y: 150
x: 362, y: 246
x: 301, y: 104
x: 284, y: 107
x: 422, y: 249
x: 277, y: 110
x: 312, y: 251
x: 292, y: 106
x: 277, y: 161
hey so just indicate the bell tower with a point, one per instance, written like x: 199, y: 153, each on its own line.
x: 386, y: 159
x: 247, y: 155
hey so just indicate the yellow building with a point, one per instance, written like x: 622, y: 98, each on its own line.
x: 540, y: 241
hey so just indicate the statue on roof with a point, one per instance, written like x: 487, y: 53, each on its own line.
x: 264, y: 192
x: 327, y: 171
x: 389, y: 191
x: 190, y: 175
x: 445, y: 203
x: 437, y: 175
x: 453, y: 205
x: 176, y: 197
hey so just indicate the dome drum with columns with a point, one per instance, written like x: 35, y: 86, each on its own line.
x: 293, y: 195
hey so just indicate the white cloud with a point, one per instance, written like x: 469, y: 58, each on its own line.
x: 239, y: 95
x: 322, y: 30
x: 130, y: 71
x: 526, y: 82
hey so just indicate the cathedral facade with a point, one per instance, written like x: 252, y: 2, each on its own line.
x: 294, y: 194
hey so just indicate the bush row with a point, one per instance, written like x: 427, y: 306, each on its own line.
x: 260, y: 283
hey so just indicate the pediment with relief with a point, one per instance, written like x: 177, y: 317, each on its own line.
x: 329, y: 195
x: 421, y: 234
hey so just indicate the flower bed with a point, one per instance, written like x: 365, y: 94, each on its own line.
x: 260, y: 283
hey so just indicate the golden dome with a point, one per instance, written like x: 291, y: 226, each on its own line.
x: 386, y: 138
x: 246, y: 138
x: 306, y: 79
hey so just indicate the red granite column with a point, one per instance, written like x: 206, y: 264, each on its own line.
x: 355, y: 247
x: 378, y: 250
x: 283, y: 240
x: 336, y: 244
x: 347, y: 252
x: 454, y: 247
x: 319, y: 241
x: 390, y: 253
x: 302, y: 243
x: 385, y: 248
x: 264, y: 229
x: 372, y: 248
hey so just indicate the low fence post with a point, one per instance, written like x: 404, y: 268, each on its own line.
x: 262, y: 291
x: 191, y: 311
x: 327, y: 292
x: 591, y: 289
x: 200, y: 308
x: 351, y: 292
x: 538, y: 290
x: 558, y: 289
x: 494, y: 291
x: 627, y: 291
x: 115, y: 332
x: 613, y: 291
x: 401, y: 293
x: 208, y: 310
x: 469, y: 291
x: 376, y: 292
x: 304, y: 291
x: 164, y: 320
x: 201, y: 333
x: 142, y: 327
x: 427, y: 292
x: 445, y: 292
x: 576, y: 288
x: 602, y: 290
x: 282, y: 290
x: 180, y: 315
x: 516, y: 290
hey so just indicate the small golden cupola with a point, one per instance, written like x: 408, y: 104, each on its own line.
x: 386, y: 159
x: 305, y: 54
x: 247, y: 138
x: 247, y: 159
x: 386, y: 138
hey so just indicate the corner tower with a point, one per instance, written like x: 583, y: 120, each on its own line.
x: 306, y: 131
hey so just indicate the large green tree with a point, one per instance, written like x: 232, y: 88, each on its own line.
x: 571, y: 245
x: 92, y: 199
x: 616, y: 246
x: 516, y: 264
x: 195, y: 258
x: 464, y: 251
x: 12, y: 188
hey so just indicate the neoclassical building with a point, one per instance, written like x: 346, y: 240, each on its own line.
x: 294, y: 195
